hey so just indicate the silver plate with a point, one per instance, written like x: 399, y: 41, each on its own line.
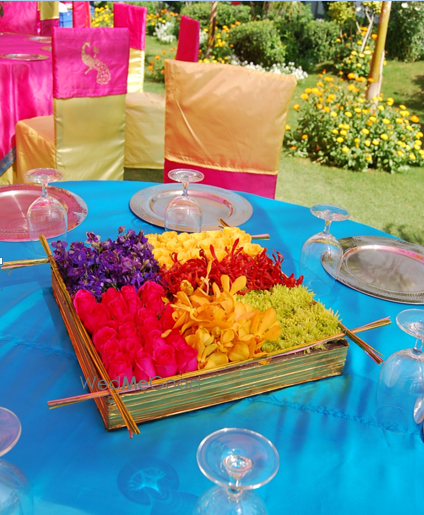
x: 150, y: 204
x: 25, y: 57
x: 385, y: 268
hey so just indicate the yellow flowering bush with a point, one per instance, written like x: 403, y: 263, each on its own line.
x: 164, y: 16
x: 221, y: 50
x: 354, y: 53
x: 103, y: 17
x: 345, y: 130
x: 156, y: 66
x: 188, y: 245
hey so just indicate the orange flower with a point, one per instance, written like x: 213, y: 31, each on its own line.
x: 163, y: 52
x: 296, y: 107
x: 414, y: 118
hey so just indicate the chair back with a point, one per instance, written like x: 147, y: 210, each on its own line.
x: 90, y: 68
x: 188, y: 40
x: 228, y: 122
x: 81, y: 16
x: 49, y: 17
x: 134, y: 18
x: 19, y: 17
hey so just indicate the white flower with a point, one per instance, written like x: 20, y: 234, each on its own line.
x: 405, y: 5
x: 164, y: 32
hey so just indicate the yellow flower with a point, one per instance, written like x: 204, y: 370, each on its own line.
x: 316, y: 91
x: 163, y: 52
x: 319, y: 106
x: 326, y: 109
x: 368, y: 158
x: 386, y: 121
x: 400, y: 153
x: 335, y: 131
x: 351, y: 75
x: 412, y: 156
x: 407, y: 147
x: 420, y: 134
x: 338, y: 40
x: 353, y: 88
x: 414, y: 118
x: 157, y: 57
x: 343, y: 132
x: 304, y: 136
x: 287, y: 127
x: 320, y: 84
x: 367, y: 142
x: 356, y: 140
x: 340, y: 139
x: 381, y: 108
x: 358, y: 110
x: 304, y: 96
x: 401, y: 106
x: 373, y: 118
x: 365, y: 131
x: 345, y: 149
x: 348, y: 114
x: 375, y: 142
x: 296, y: 107
x: 308, y: 90
x: 329, y: 79
x: 333, y: 114
x: 418, y: 142
x: 384, y: 136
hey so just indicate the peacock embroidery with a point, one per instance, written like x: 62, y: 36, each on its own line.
x: 93, y: 63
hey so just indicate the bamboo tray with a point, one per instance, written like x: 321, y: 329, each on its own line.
x: 207, y: 388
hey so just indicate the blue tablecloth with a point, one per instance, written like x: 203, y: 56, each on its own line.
x: 334, y: 457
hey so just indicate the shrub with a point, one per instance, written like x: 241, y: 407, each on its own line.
x: 339, y: 127
x: 152, y: 7
x: 307, y: 41
x: 157, y: 65
x: 226, y: 14
x: 103, y: 17
x: 354, y: 54
x: 221, y: 50
x: 405, y: 36
x: 163, y: 17
x: 257, y: 42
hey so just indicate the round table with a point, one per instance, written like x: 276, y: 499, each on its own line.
x: 25, y: 88
x: 334, y: 457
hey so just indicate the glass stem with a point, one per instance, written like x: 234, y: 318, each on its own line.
x: 44, y: 186
x: 185, y: 186
x: 418, y: 349
x: 327, y: 227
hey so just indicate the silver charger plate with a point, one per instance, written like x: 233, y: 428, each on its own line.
x: 150, y: 204
x: 25, y: 57
x: 385, y: 268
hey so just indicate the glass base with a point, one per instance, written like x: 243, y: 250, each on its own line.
x: 15, y: 491
x: 10, y: 430
x: 220, y: 501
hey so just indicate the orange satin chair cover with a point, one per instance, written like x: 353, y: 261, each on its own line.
x: 85, y: 136
x: 227, y: 121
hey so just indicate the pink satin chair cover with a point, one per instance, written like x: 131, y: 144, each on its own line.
x: 188, y: 40
x: 81, y: 16
x: 90, y: 62
x: 134, y: 18
x: 19, y: 17
x: 46, y: 26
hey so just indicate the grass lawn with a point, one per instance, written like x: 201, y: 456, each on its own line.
x: 393, y: 203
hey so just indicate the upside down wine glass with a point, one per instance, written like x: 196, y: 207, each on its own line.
x: 184, y: 213
x: 15, y: 491
x: 400, y: 388
x: 323, y: 250
x: 238, y: 461
x: 46, y: 215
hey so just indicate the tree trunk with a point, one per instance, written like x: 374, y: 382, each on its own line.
x: 211, y: 34
x: 376, y: 67
x: 252, y: 8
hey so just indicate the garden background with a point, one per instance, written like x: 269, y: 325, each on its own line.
x: 379, y: 175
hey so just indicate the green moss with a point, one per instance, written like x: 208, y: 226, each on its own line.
x: 301, y: 318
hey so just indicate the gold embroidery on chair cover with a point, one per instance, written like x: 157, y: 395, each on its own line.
x: 93, y: 63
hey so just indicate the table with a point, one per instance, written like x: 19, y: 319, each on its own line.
x: 26, y: 89
x: 334, y: 457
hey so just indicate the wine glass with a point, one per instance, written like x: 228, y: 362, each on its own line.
x: 15, y: 491
x: 238, y: 461
x: 184, y: 213
x: 46, y: 215
x: 400, y: 388
x: 323, y: 249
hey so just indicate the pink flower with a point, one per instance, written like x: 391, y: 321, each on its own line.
x: 109, y: 350
x: 152, y: 340
x: 91, y: 313
x: 166, y: 319
x: 144, y: 368
x: 165, y: 361
x: 186, y: 359
x: 113, y: 324
x: 131, y: 299
x: 130, y: 347
x: 151, y: 296
x: 120, y: 367
x: 103, y: 335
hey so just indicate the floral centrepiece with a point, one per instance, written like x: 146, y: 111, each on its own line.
x: 149, y: 321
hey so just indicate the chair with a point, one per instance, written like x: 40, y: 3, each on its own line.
x: 134, y: 18
x: 85, y: 136
x: 49, y: 17
x: 145, y: 112
x: 19, y: 17
x: 228, y: 122
x: 81, y: 16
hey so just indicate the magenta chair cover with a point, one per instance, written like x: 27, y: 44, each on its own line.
x: 134, y: 18
x: 47, y: 26
x: 21, y: 17
x: 188, y: 40
x: 81, y: 17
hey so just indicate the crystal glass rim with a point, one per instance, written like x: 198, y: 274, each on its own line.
x: 242, y: 430
x: 57, y: 172
x: 10, y: 446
